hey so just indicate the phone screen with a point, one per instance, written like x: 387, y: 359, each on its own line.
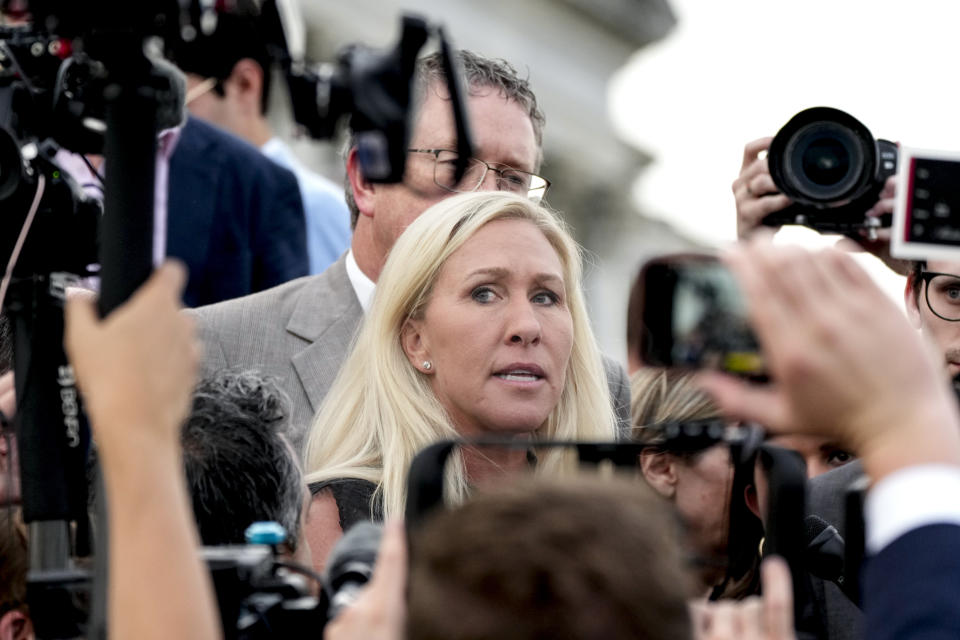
x: 694, y: 316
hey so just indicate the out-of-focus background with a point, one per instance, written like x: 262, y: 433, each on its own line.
x: 649, y: 103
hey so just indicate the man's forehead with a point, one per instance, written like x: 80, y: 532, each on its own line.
x: 944, y: 266
x: 499, y: 124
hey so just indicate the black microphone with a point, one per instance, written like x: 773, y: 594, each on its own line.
x: 350, y: 566
x: 823, y: 552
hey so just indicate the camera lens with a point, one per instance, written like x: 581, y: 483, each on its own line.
x: 822, y: 156
x: 826, y: 162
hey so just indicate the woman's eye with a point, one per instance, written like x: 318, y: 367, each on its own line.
x: 483, y: 294
x: 546, y: 297
x: 839, y: 458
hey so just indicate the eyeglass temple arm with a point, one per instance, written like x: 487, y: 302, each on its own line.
x: 451, y: 69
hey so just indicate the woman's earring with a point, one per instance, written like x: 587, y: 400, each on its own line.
x: 427, y: 365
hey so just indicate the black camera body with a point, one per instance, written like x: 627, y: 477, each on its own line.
x: 832, y: 168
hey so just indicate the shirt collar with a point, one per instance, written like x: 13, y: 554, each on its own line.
x: 362, y: 285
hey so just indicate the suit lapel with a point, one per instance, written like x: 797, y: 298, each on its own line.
x: 327, y: 315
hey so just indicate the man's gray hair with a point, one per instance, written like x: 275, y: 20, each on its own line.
x: 240, y: 469
x: 478, y: 73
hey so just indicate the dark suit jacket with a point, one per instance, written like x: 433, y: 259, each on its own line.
x: 911, y: 589
x: 233, y: 216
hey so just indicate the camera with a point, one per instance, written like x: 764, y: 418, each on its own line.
x: 692, y: 315
x: 833, y: 169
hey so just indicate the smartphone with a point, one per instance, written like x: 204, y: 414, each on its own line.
x: 694, y: 316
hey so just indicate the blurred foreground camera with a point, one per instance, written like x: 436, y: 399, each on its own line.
x: 833, y: 169
x: 693, y: 315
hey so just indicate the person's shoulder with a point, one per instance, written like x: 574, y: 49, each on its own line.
x: 237, y: 310
x: 234, y: 152
x: 826, y: 493
x: 837, y: 479
x: 277, y: 302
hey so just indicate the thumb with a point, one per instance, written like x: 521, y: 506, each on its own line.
x: 169, y: 279
x: 80, y: 320
x: 777, y: 598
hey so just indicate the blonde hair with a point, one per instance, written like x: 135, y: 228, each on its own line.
x: 662, y: 395
x: 381, y: 411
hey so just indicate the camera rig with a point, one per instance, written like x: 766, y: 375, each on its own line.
x: 87, y: 78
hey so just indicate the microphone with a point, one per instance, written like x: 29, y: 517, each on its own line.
x: 824, y: 548
x: 350, y: 566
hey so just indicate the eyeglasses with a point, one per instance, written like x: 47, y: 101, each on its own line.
x: 943, y: 294
x: 516, y: 181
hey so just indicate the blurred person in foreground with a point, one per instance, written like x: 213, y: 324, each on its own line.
x: 589, y: 558
x: 478, y: 328
x: 302, y: 332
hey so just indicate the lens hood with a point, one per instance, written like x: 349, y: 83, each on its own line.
x: 823, y: 157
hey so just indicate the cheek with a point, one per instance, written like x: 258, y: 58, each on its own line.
x: 561, y: 337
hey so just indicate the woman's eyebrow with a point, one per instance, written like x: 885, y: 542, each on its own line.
x: 500, y: 272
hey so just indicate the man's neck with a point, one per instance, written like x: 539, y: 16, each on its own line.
x: 255, y: 130
x: 260, y: 132
x: 365, y: 250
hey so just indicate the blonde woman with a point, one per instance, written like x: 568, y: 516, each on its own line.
x: 478, y: 328
x: 697, y: 481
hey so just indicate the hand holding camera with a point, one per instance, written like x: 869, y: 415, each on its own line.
x: 756, y: 194
x: 823, y: 170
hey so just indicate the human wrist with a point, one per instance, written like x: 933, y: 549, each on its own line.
x: 131, y: 450
x: 927, y: 437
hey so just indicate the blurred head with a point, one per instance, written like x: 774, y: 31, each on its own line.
x: 584, y: 558
x: 14, y: 618
x: 240, y: 468
x: 506, y: 125
x: 228, y: 71
x: 933, y: 302
x: 486, y: 288
x: 697, y: 482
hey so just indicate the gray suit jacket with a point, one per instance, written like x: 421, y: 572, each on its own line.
x: 301, y: 332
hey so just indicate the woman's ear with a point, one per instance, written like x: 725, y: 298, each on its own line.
x: 660, y: 471
x: 15, y: 625
x: 414, y: 345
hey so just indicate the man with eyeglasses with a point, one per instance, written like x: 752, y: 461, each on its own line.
x: 932, y: 299
x: 301, y: 331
